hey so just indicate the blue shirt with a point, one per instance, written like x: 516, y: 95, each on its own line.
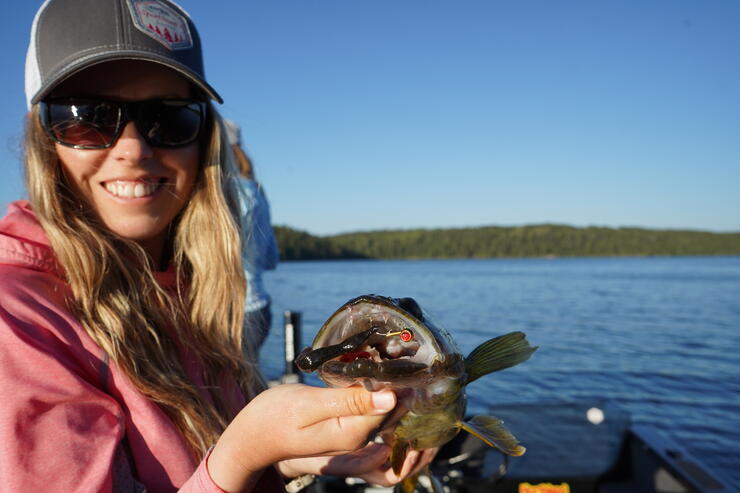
x: 260, y: 248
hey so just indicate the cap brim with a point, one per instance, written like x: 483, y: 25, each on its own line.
x: 83, y: 63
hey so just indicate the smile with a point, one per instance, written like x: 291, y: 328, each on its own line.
x: 132, y: 189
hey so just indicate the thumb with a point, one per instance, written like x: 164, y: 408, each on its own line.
x: 353, y: 401
x: 342, y: 419
x: 383, y: 401
x: 361, y: 402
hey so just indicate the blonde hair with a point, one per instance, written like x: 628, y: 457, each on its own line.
x: 122, y: 307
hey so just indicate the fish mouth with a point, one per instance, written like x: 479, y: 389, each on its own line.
x: 371, y: 337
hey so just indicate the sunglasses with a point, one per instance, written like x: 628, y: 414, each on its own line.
x: 84, y: 123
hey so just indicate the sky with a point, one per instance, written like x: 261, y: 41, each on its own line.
x: 396, y: 114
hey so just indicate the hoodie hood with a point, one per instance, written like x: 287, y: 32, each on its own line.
x: 23, y: 241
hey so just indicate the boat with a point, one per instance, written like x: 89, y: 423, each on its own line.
x: 572, y: 447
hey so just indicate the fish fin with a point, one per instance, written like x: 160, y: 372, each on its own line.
x: 408, y: 485
x: 497, y: 354
x: 398, y: 455
x: 493, y: 432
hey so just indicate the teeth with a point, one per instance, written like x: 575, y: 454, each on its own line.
x: 130, y: 190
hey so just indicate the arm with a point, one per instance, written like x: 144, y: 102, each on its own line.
x: 264, y: 244
x: 272, y: 256
x: 260, y: 249
x: 56, y: 425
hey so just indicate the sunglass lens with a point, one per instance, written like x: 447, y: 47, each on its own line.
x: 83, y: 124
x: 170, y: 123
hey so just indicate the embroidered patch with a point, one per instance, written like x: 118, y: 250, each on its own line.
x: 161, y: 22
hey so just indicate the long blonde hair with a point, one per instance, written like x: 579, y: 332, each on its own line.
x: 135, y: 321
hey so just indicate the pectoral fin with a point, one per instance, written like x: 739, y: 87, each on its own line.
x: 398, y: 455
x: 408, y: 485
x: 493, y: 432
x: 497, y: 354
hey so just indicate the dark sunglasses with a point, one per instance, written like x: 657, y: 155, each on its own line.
x: 84, y: 123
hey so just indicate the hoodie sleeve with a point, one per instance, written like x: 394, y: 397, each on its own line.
x: 58, y: 426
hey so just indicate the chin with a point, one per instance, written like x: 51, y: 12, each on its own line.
x: 145, y: 233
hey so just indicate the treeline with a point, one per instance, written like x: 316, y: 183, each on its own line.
x: 494, y: 241
x: 299, y: 245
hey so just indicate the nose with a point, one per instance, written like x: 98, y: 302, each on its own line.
x: 131, y: 147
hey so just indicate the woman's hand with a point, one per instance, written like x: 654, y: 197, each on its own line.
x: 369, y: 463
x: 291, y: 421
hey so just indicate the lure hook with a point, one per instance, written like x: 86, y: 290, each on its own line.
x: 406, y: 335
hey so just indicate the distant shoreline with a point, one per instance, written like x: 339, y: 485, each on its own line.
x: 535, y: 241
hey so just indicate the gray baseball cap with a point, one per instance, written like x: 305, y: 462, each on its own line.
x: 69, y: 36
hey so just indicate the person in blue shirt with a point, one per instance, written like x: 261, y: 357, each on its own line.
x: 260, y: 248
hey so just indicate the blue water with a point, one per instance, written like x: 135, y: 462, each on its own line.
x: 659, y: 336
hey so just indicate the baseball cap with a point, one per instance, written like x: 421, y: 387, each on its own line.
x: 69, y: 36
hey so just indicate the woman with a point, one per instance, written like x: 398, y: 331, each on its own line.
x: 121, y: 285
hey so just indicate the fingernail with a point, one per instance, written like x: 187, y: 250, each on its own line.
x: 384, y: 401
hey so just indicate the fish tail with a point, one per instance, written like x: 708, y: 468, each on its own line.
x: 497, y: 354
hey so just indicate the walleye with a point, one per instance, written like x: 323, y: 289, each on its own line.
x: 382, y: 342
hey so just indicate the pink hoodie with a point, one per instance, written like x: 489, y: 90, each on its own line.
x: 64, y: 411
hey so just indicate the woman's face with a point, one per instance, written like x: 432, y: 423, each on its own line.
x: 135, y: 189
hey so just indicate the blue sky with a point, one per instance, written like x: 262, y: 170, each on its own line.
x: 372, y: 114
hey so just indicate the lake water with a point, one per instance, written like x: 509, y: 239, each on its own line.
x: 659, y: 336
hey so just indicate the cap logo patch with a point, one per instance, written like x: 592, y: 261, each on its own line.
x: 162, y: 23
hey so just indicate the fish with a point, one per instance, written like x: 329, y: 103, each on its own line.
x: 381, y: 342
